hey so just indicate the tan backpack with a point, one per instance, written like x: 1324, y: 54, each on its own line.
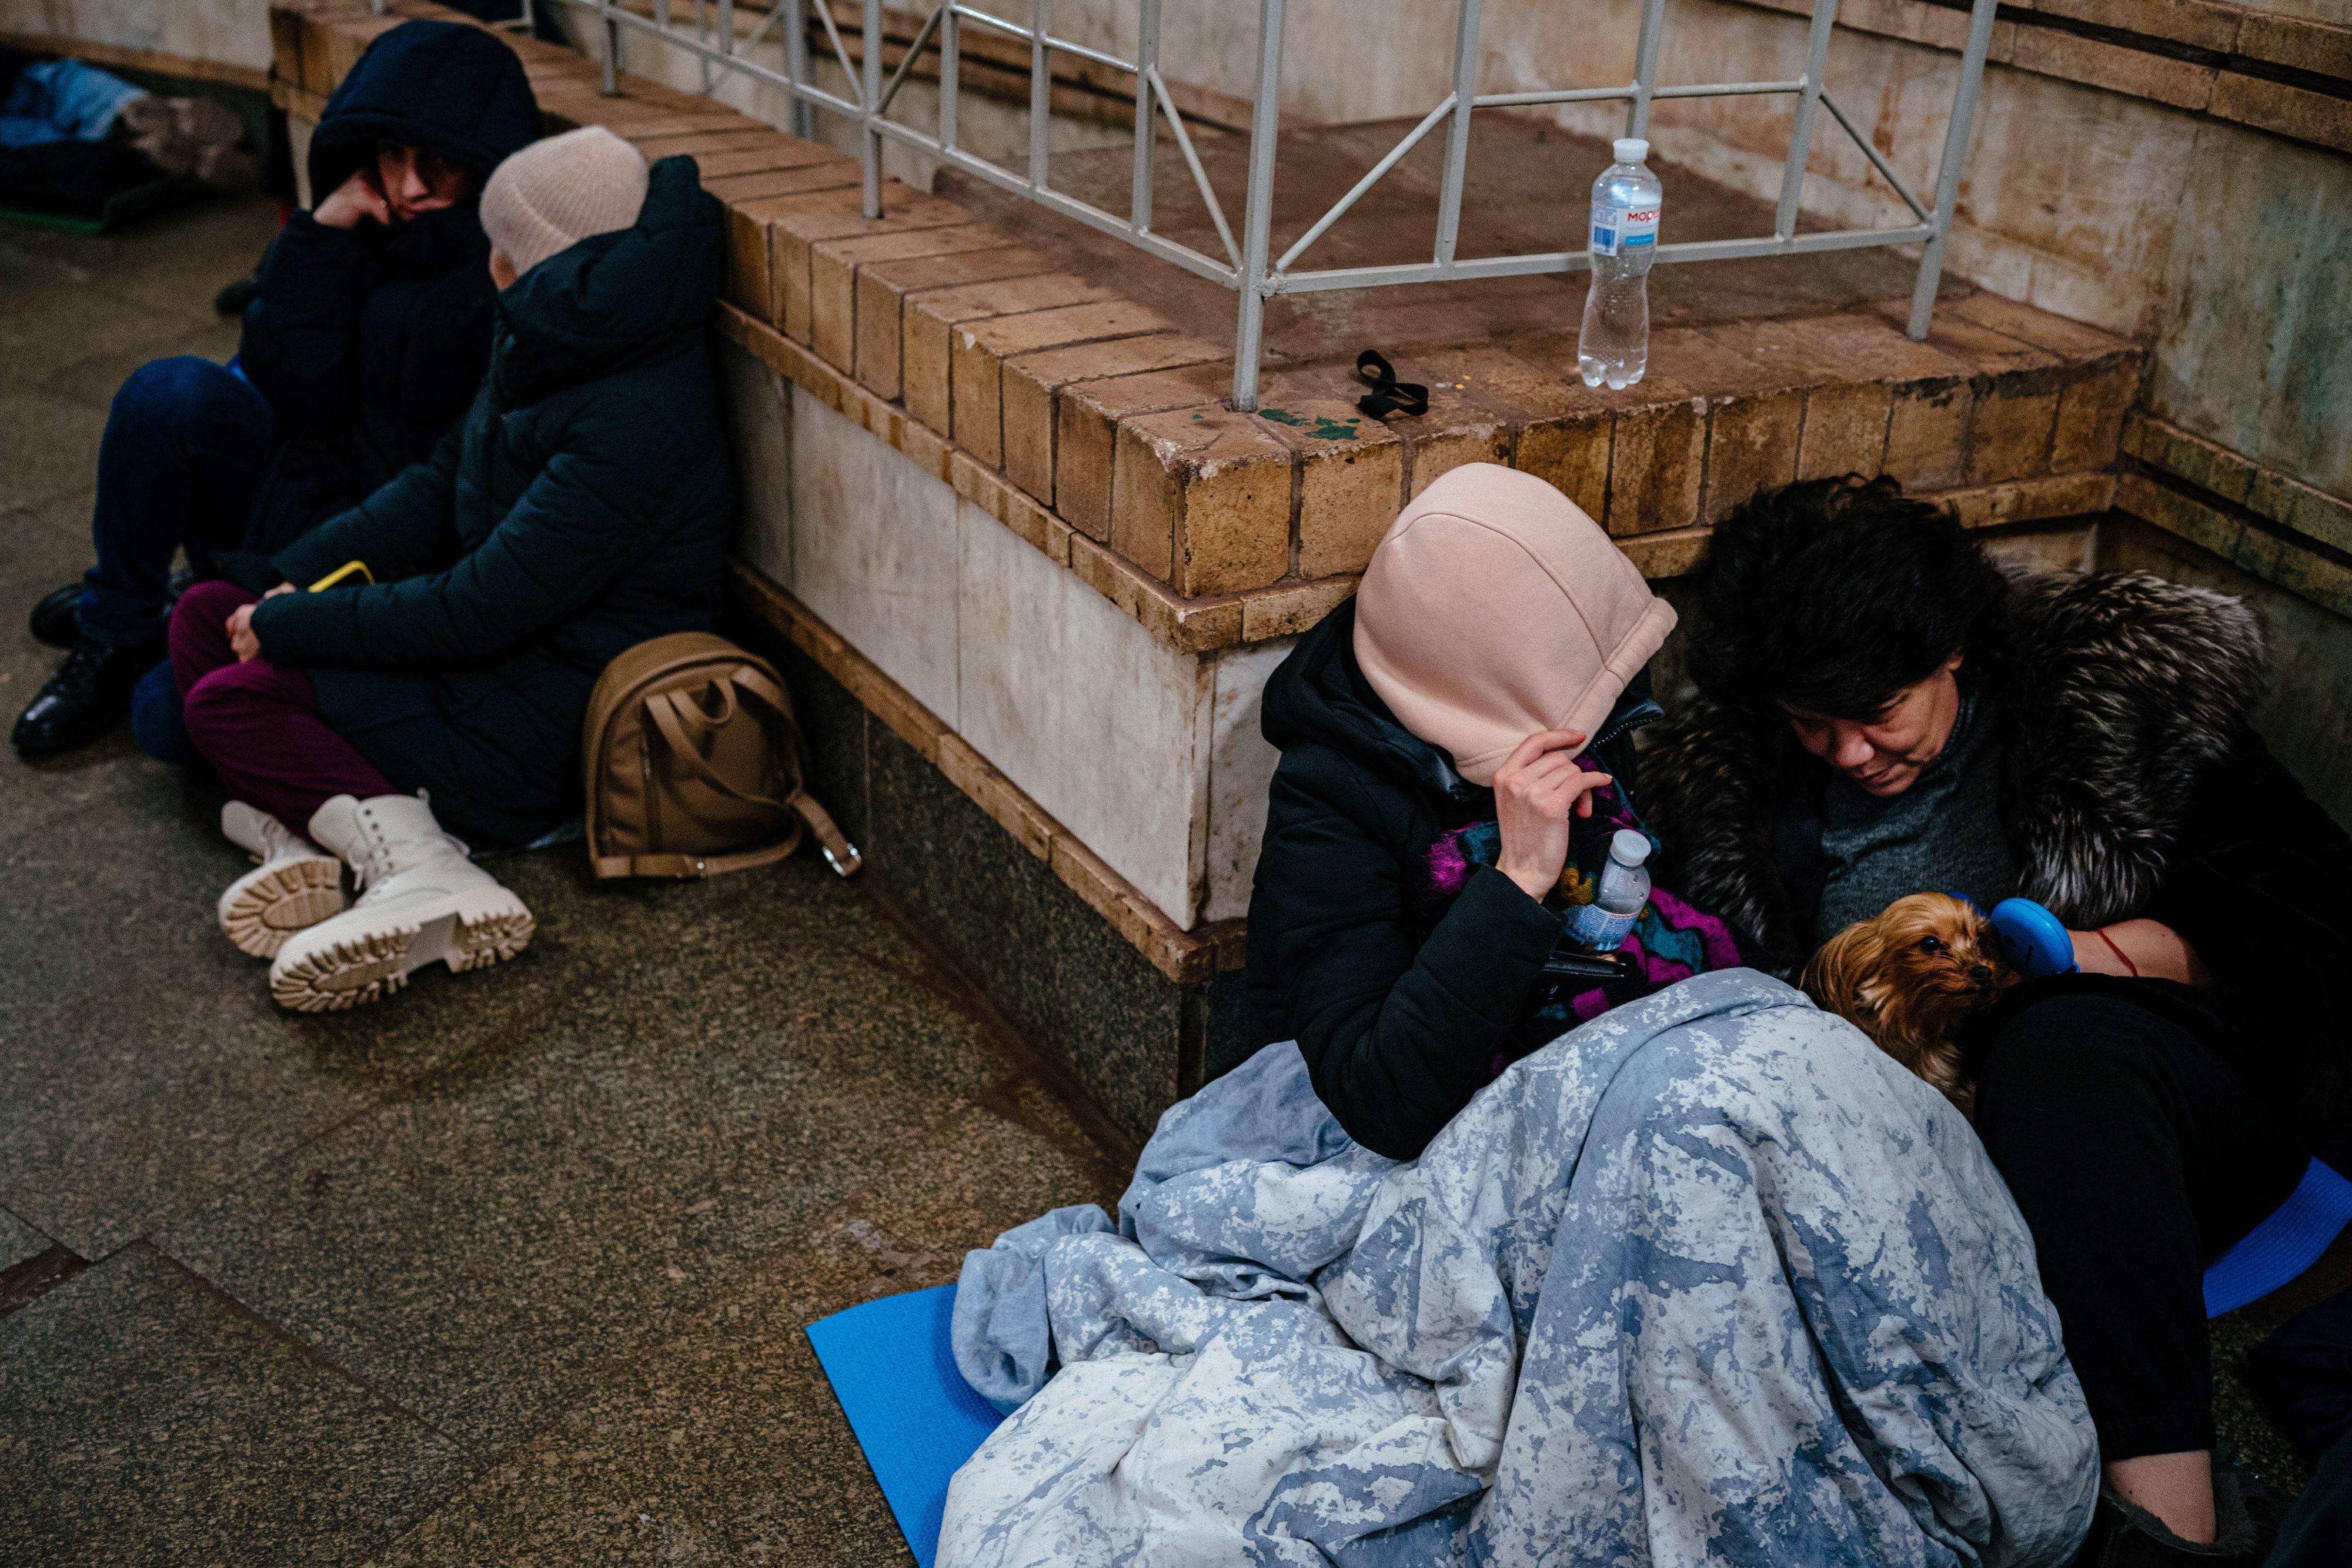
x: 694, y: 764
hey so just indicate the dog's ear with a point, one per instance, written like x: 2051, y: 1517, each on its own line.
x: 1836, y: 970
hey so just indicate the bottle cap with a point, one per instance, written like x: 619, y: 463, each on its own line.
x: 1630, y: 148
x: 1629, y: 847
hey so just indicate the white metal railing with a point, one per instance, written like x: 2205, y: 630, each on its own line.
x: 1244, y: 267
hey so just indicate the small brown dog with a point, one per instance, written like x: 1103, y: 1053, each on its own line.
x: 1910, y: 978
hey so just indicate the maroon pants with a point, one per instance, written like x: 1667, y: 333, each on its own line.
x: 258, y: 724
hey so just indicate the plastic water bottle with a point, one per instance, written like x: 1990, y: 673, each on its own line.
x: 1615, y: 346
x: 1624, y: 889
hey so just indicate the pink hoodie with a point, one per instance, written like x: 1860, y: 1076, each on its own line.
x: 1495, y: 608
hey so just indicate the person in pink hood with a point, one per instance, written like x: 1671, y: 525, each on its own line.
x: 1457, y: 755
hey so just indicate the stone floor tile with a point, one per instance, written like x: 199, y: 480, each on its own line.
x: 146, y: 1420
x: 46, y: 444
x: 725, y: 1443
x: 92, y: 379
x: 18, y: 1241
x: 485, y: 1242
x: 115, y: 1118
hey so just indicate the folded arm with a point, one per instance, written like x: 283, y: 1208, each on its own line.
x: 580, y: 528
x: 1397, y: 1036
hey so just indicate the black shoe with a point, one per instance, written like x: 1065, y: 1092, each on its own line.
x: 233, y: 299
x: 88, y: 697
x: 53, y: 617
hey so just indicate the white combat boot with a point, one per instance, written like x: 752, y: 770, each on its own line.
x: 421, y: 902
x: 296, y: 884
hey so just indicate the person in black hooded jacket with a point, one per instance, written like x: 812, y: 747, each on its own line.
x: 582, y: 506
x: 1456, y: 762
x: 370, y: 332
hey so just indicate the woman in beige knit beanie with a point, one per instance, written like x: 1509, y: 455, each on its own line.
x: 554, y: 193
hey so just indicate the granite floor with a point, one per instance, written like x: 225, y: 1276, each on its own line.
x: 512, y: 1269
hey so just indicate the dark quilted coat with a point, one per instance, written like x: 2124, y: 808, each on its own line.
x: 582, y: 506
x: 369, y: 341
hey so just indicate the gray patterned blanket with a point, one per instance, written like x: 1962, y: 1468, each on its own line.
x: 1707, y: 1279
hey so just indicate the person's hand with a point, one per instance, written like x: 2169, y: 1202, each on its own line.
x: 281, y: 588
x: 1536, y: 789
x: 356, y: 198
x: 242, y: 639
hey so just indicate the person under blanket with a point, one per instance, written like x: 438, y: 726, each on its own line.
x: 1881, y: 710
x: 1709, y: 1280
x: 1457, y: 756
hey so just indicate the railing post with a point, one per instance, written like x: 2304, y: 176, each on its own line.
x: 1258, y: 225
x: 1645, y: 69
x: 1457, y: 135
x: 726, y: 28
x: 702, y: 35
x: 1801, y: 134
x: 1147, y: 123
x: 1040, y: 91
x: 951, y: 72
x: 796, y: 65
x: 869, y: 93
x: 611, y: 49
x: 1956, y: 154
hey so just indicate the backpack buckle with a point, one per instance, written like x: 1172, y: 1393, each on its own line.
x: 841, y: 866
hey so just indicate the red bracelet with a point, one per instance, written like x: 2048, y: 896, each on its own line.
x: 2118, y: 952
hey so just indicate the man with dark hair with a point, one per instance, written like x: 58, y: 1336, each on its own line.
x: 1880, y: 712
x: 370, y: 333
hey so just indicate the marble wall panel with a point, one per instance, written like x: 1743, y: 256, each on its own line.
x: 874, y: 551
x: 126, y: 24
x: 2255, y: 348
x: 760, y: 423
x: 1097, y: 721
x: 1241, y: 765
x: 232, y: 32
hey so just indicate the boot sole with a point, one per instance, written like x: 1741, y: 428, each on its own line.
x: 471, y: 931
x: 269, y: 903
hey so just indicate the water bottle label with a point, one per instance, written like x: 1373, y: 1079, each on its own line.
x: 1598, y: 929
x: 1617, y: 231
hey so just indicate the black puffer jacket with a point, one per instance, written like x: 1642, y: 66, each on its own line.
x: 369, y: 341
x: 2132, y: 786
x: 1400, y: 998
x: 582, y: 506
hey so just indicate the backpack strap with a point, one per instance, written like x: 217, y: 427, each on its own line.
x: 839, y: 852
x: 665, y: 710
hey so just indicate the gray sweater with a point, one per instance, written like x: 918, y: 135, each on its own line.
x: 1941, y: 835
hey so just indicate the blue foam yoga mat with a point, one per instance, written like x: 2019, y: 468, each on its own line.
x: 2283, y: 1246
x: 914, y: 1415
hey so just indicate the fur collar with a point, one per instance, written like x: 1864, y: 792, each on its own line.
x: 2123, y: 687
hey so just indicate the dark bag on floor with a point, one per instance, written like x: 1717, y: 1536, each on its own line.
x: 694, y: 764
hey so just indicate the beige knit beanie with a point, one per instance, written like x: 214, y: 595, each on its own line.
x: 554, y: 193
x: 1495, y: 608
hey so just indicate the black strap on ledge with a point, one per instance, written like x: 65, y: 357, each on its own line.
x: 1389, y: 395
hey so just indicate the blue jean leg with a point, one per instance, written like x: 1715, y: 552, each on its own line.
x: 188, y: 446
